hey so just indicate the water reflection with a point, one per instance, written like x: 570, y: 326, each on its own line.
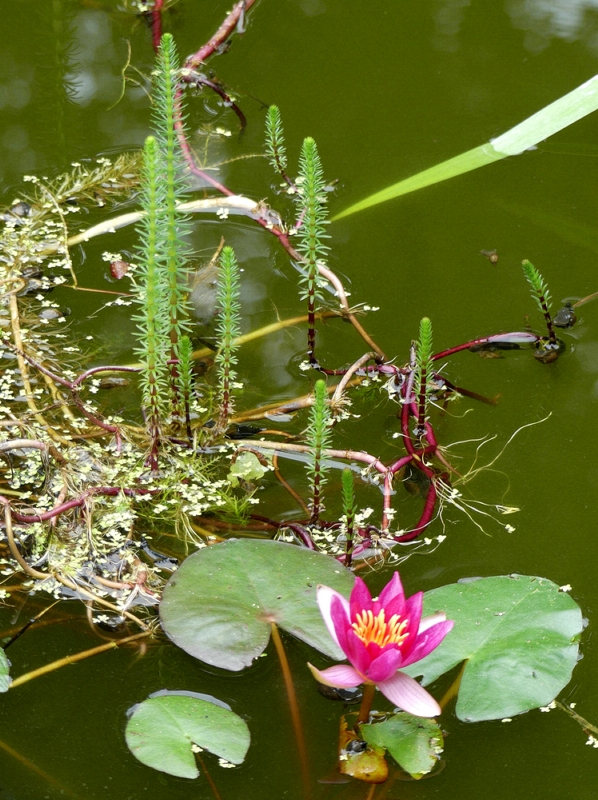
x: 542, y: 21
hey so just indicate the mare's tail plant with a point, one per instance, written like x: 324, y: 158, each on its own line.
x: 319, y: 437
x: 185, y: 379
x: 275, y: 148
x: 313, y: 221
x: 423, y: 369
x: 540, y: 293
x: 348, y: 512
x: 152, y: 345
x: 228, y: 330
x: 173, y: 226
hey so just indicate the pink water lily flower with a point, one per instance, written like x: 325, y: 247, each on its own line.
x: 379, y: 637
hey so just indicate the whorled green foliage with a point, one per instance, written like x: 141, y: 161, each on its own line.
x: 228, y: 329
x: 275, y: 141
x: 152, y: 349
x: 423, y: 355
x: 185, y: 376
x: 312, y: 226
x: 538, y: 286
x: 173, y: 226
x: 348, y: 510
x: 319, y: 438
x: 314, y: 216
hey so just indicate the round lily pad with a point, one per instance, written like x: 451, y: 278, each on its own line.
x: 519, y: 636
x: 220, y: 604
x: 162, y: 730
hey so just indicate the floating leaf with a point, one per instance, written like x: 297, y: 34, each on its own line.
x: 221, y: 602
x: 414, y: 743
x: 518, y: 635
x: 552, y: 118
x: 162, y: 730
x: 4, y: 672
x: 247, y: 467
x: 357, y: 758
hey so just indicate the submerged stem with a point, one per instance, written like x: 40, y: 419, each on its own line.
x: 294, y: 707
x: 369, y: 690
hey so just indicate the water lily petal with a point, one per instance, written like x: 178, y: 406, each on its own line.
x: 325, y: 595
x: 428, y: 641
x: 392, y: 591
x: 433, y: 619
x: 340, y: 621
x: 406, y: 693
x: 385, y: 666
x: 360, y: 599
x: 357, y: 653
x: 342, y: 676
x: 413, y: 612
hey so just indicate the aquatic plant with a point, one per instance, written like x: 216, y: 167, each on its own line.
x: 319, y: 436
x: 349, y: 509
x: 423, y: 360
x: 228, y: 329
x: 541, y: 295
x: 275, y: 147
x: 172, y: 224
x: 311, y: 200
x: 379, y: 637
x: 149, y: 296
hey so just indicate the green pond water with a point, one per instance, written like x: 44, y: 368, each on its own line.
x: 386, y: 89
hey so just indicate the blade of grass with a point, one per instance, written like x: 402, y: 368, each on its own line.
x: 550, y: 120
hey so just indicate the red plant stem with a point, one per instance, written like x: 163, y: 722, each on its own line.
x: 89, y: 372
x: 522, y: 338
x: 110, y: 491
x: 425, y: 518
x: 224, y: 31
x: 387, y: 493
x: 294, y: 708
x: 398, y: 465
x: 298, y: 529
x: 157, y: 24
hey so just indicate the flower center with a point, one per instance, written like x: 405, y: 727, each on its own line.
x: 375, y: 629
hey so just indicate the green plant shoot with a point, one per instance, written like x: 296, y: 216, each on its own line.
x: 348, y: 511
x: 151, y: 350
x: 541, y: 295
x: 228, y: 330
x: 173, y: 226
x: 319, y: 437
x: 313, y: 221
x: 423, y: 355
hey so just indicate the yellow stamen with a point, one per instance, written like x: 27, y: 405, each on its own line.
x: 375, y: 629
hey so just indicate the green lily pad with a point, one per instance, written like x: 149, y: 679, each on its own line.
x: 162, y: 731
x: 220, y: 604
x: 414, y: 743
x: 519, y: 637
x: 4, y: 672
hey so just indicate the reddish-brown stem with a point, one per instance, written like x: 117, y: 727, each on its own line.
x: 425, y: 518
x: 518, y: 337
x: 110, y: 491
x: 294, y: 708
x: 369, y: 690
x: 157, y: 24
x: 208, y: 777
x: 222, y: 34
